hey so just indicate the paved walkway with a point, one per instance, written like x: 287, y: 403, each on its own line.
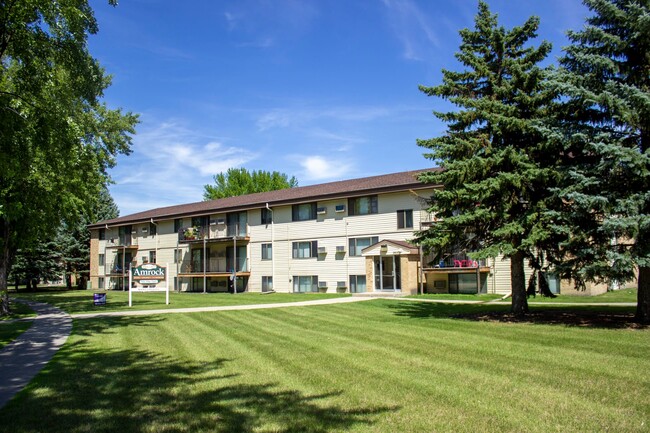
x: 23, y: 358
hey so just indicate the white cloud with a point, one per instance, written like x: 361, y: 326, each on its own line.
x: 317, y: 168
x: 169, y: 165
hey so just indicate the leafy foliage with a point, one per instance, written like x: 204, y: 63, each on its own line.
x: 56, y: 138
x: 493, y: 159
x: 240, y: 181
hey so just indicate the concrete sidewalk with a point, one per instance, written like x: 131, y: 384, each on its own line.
x: 23, y: 358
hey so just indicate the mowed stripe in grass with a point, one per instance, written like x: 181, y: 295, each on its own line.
x: 371, y: 366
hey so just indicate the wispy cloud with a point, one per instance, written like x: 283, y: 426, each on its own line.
x: 295, y: 116
x: 412, y: 27
x: 169, y: 165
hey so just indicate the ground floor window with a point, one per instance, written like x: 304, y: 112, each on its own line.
x: 267, y: 283
x: 305, y: 283
x: 466, y: 283
x: 100, y: 283
x: 357, y: 283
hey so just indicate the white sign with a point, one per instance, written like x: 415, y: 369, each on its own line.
x: 150, y: 270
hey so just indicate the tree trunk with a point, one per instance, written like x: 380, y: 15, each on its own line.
x: 68, y: 278
x: 4, y: 270
x: 518, y: 282
x: 643, y: 296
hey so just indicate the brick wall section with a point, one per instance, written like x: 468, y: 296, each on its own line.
x: 94, y: 256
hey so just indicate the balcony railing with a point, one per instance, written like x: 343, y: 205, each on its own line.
x: 213, y: 232
x: 117, y: 268
x: 127, y: 240
x: 213, y: 266
x: 460, y: 262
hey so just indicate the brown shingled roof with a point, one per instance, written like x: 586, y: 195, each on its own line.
x: 345, y: 188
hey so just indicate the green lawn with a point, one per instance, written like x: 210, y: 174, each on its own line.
x: 373, y: 366
x: 81, y: 301
x: 626, y: 295
x: 9, y: 331
x: 457, y: 297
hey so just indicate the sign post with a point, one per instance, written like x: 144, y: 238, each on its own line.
x: 150, y: 274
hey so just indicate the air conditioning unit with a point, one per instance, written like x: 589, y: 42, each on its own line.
x: 321, y: 210
x: 340, y: 208
x: 322, y: 284
x: 213, y: 222
x: 220, y: 221
x: 340, y: 248
x: 145, y: 230
x: 341, y: 284
x: 134, y: 232
x: 322, y: 250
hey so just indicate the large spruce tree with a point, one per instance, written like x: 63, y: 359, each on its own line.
x: 492, y: 156
x: 603, y: 123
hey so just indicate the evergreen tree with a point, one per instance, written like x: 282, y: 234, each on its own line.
x: 492, y: 157
x: 239, y: 181
x: 602, y: 215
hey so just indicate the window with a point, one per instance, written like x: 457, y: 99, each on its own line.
x: 267, y: 251
x: 178, y: 256
x: 303, y: 284
x: 152, y: 229
x: 267, y: 284
x: 304, y: 250
x: 405, y: 219
x: 100, y: 283
x: 102, y: 260
x: 145, y: 259
x: 200, y: 222
x: 358, y: 244
x: 303, y: 212
x: 267, y: 216
x: 357, y: 283
x: 237, y: 222
x: 178, y: 224
x: 362, y: 205
x: 176, y: 283
x: 102, y: 234
x: 152, y: 257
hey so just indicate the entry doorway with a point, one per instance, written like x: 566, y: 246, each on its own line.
x: 387, y: 273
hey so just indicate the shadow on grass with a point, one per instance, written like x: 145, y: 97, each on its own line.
x: 575, y: 315
x: 85, y: 389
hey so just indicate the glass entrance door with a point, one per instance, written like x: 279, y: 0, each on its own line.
x: 387, y: 273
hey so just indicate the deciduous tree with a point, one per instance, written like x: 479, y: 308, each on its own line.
x: 240, y: 181
x: 57, y: 138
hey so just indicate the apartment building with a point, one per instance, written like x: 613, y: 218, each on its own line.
x: 347, y: 236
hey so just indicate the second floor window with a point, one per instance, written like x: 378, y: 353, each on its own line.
x: 178, y: 224
x: 358, y: 244
x: 101, y: 260
x: 405, y: 219
x: 152, y: 229
x: 304, y: 250
x: 267, y: 251
x: 363, y: 205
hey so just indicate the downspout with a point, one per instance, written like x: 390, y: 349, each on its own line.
x: 272, y: 247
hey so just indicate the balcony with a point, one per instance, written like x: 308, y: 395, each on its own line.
x: 459, y: 264
x: 116, y: 270
x: 214, y: 267
x: 213, y: 233
x: 127, y: 241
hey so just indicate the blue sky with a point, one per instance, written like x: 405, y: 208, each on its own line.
x: 321, y: 90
